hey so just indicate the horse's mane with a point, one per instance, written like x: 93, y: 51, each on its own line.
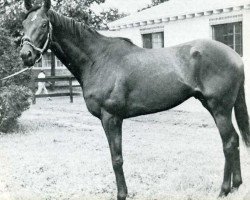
x: 75, y: 27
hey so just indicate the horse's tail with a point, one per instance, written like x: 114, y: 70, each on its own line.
x: 241, y: 115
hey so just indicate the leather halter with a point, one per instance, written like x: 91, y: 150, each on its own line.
x: 26, y: 41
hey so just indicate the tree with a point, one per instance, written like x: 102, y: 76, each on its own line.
x: 157, y: 2
x: 110, y: 15
x: 11, y: 17
x: 12, y: 13
x: 154, y: 3
x: 80, y: 11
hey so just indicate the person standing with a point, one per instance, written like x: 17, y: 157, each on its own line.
x: 41, y: 85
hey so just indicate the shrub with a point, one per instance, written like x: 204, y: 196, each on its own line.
x: 14, y: 92
x: 13, y: 101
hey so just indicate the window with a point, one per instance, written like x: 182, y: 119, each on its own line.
x: 229, y: 34
x: 46, y: 61
x: 58, y: 63
x: 39, y: 64
x: 153, y: 40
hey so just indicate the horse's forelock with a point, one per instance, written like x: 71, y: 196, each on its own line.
x: 31, y: 10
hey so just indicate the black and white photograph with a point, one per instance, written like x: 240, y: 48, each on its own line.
x: 124, y: 100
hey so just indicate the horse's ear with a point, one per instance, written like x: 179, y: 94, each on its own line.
x: 46, y: 5
x: 27, y: 4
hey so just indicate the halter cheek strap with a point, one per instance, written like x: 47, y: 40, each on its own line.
x: 45, y: 46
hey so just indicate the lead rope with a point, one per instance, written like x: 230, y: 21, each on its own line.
x: 15, y: 74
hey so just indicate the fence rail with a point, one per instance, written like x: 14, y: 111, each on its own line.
x: 70, y: 79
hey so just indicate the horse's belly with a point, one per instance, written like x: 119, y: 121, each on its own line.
x: 157, y: 96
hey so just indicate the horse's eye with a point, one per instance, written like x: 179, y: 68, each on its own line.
x: 44, y: 25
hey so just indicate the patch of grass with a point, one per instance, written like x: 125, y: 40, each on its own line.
x: 64, y: 154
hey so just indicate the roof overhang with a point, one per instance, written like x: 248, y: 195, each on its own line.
x: 137, y: 21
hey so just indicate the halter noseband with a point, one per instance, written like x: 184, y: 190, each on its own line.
x: 45, y: 46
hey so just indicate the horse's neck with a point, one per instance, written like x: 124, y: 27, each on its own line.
x: 77, y: 47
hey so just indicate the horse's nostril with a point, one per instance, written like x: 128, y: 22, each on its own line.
x: 29, y: 54
x: 26, y: 54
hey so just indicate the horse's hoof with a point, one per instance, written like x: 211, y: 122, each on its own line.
x: 122, y: 197
x: 237, y: 184
x: 224, y: 193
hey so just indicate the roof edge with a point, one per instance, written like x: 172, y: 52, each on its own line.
x: 183, y: 16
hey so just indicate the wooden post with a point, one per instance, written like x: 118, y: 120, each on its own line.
x: 70, y: 90
x: 53, y: 69
x: 32, y: 86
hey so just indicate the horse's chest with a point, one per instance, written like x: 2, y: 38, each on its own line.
x: 109, y: 97
x: 93, y: 99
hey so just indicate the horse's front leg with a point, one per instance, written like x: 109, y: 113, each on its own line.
x: 113, y: 128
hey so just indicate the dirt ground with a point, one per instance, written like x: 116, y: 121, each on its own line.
x: 60, y: 152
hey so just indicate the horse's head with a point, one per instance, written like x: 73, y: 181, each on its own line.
x: 37, y: 32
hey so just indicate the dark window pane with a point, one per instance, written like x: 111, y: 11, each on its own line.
x: 229, y: 34
x: 238, y: 49
x: 147, y: 41
x: 225, y: 39
x: 238, y: 39
x: 230, y: 28
x: 238, y: 28
x: 219, y: 31
x: 230, y: 40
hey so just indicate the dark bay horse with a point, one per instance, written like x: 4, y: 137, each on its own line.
x: 120, y: 80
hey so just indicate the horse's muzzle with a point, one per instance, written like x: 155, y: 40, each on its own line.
x: 28, y: 56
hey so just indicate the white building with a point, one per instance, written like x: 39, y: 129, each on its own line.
x: 179, y: 21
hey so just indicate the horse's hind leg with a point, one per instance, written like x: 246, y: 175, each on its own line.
x: 230, y: 139
x: 113, y: 128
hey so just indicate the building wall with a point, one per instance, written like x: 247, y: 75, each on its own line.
x: 246, y: 52
x: 132, y: 33
x: 177, y: 32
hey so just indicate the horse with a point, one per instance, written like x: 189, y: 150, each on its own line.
x: 120, y: 80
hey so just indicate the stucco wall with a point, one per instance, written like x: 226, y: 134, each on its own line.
x: 246, y: 51
x: 132, y: 33
x: 177, y: 32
